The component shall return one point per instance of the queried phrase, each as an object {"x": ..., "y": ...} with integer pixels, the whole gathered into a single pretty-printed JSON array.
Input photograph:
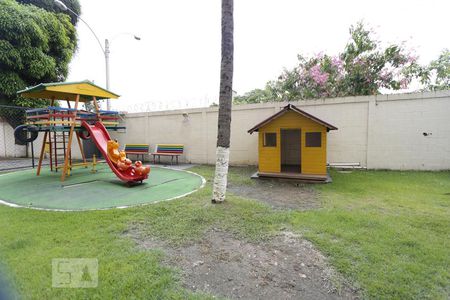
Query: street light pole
[
  {"x": 108, "y": 102},
  {"x": 105, "y": 49},
  {"x": 64, "y": 7}
]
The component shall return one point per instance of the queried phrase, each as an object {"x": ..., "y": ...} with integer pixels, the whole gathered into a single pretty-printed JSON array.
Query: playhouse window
[
  {"x": 313, "y": 139},
  {"x": 270, "y": 139}
]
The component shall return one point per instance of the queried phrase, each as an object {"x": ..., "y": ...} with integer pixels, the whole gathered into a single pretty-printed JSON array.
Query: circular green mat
[{"x": 85, "y": 190}]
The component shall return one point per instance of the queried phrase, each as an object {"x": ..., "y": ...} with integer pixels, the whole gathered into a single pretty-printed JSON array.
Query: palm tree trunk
[{"x": 225, "y": 99}]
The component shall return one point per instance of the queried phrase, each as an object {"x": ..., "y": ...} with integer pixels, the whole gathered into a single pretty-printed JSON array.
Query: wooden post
[
  {"x": 41, "y": 156},
  {"x": 69, "y": 146},
  {"x": 44, "y": 141},
  {"x": 79, "y": 142},
  {"x": 50, "y": 146}
]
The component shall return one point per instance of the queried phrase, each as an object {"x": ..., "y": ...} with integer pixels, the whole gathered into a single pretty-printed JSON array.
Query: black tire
[
  {"x": 84, "y": 135},
  {"x": 33, "y": 128},
  {"x": 21, "y": 136}
]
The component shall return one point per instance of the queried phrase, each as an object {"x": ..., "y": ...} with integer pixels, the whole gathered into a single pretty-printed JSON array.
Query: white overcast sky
[{"x": 177, "y": 61}]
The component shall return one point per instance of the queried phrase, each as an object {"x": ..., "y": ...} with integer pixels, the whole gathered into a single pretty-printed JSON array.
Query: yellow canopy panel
[{"x": 68, "y": 91}]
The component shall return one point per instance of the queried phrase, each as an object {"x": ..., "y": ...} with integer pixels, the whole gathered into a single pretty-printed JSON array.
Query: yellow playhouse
[{"x": 293, "y": 144}]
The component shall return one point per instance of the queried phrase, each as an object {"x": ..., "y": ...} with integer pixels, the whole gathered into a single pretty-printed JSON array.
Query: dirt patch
[
  {"x": 279, "y": 194},
  {"x": 286, "y": 267}
]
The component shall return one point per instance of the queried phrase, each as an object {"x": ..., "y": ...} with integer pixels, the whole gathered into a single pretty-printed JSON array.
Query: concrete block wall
[
  {"x": 8, "y": 148},
  {"x": 412, "y": 134},
  {"x": 379, "y": 132}
]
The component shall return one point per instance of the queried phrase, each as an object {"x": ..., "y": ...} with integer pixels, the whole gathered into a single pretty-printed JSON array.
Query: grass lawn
[{"x": 387, "y": 232}]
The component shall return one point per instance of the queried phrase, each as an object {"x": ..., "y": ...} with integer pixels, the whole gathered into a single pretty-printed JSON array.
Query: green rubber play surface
[{"x": 85, "y": 190}]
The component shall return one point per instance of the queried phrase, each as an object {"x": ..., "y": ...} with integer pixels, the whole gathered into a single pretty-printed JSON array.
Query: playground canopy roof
[{"x": 68, "y": 91}]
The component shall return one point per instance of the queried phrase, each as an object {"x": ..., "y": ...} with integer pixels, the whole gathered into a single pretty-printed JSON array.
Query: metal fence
[{"x": 13, "y": 153}]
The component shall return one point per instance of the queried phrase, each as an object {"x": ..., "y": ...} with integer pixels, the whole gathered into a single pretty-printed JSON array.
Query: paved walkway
[{"x": 18, "y": 163}]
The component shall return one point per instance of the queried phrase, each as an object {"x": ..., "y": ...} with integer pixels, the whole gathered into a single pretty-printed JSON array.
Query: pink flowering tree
[{"x": 363, "y": 68}]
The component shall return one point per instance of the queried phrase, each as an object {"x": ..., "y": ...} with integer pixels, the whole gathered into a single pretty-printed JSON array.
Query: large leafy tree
[
  {"x": 36, "y": 45},
  {"x": 225, "y": 99},
  {"x": 50, "y": 5},
  {"x": 363, "y": 68}
]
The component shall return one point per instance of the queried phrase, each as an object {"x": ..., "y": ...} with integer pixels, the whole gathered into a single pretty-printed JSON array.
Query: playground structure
[{"x": 61, "y": 124}]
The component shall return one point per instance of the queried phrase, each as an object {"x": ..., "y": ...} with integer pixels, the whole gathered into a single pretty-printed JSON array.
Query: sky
[{"x": 176, "y": 64}]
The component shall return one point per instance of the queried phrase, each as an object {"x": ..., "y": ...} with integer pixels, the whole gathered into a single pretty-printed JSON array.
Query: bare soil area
[
  {"x": 285, "y": 267},
  {"x": 278, "y": 193}
]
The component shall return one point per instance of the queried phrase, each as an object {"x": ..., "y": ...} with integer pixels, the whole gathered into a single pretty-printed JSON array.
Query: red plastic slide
[{"x": 100, "y": 136}]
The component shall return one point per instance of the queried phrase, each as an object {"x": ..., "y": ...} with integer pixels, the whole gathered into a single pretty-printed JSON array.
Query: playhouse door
[{"x": 291, "y": 150}]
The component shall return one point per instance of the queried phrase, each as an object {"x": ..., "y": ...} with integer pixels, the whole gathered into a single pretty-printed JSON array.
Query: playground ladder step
[{"x": 59, "y": 141}]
